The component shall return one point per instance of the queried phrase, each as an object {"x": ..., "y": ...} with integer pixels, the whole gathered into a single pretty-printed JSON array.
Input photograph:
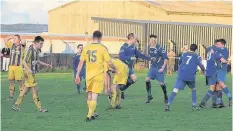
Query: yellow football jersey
[
  {"x": 118, "y": 64},
  {"x": 95, "y": 55}
]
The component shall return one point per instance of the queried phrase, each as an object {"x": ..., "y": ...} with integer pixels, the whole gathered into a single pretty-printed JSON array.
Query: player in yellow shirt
[
  {"x": 120, "y": 78},
  {"x": 30, "y": 63},
  {"x": 95, "y": 55},
  {"x": 15, "y": 73}
]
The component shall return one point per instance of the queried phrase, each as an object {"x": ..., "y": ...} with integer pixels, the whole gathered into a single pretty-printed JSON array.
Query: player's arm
[
  {"x": 8, "y": 39},
  {"x": 165, "y": 57},
  {"x": 44, "y": 64},
  {"x": 140, "y": 55},
  {"x": 218, "y": 56},
  {"x": 122, "y": 55},
  {"x": 200, "y": 64},
  {"x": 107, "y": 59}
]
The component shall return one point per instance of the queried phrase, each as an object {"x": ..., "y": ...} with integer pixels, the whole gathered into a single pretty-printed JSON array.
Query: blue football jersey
[
  {"x": 225, "y": 53},
  {"x": 76, "y": 60},
  {"x": 128, "y": 51},
  {"x": 160, "y": 54},
  {"x": 211, "y": 66},
  {"x": 188, "y": 66}
]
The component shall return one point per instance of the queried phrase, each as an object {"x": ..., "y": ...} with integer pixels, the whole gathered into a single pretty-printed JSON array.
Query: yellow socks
[
  {"x": 36, "y": 100},
  {"x": 12, "y": 89},
  {"x": 20, "y": 98},
  {"x": 21, "y": 86},
  {"x": 92, "y": 107},
  {"x": 113, "y": 98},
  {"x": 118, "y": 98}
]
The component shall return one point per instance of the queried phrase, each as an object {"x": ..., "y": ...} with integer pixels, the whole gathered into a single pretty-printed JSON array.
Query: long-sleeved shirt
[
  {"x": 76, "y": 60},
  {"x": 128, "y": 51}
]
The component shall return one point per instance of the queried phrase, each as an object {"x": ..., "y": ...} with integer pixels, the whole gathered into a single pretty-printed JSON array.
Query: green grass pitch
[{"x": 67, "y": 110}]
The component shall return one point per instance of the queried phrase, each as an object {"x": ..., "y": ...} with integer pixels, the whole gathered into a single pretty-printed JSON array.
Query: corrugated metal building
[
  {"x": 75, "y": 17},
  {"x": 169, "y": 33}
]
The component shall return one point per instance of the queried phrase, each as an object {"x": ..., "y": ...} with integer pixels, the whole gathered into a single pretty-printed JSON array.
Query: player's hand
[
  {"x": 48, "y": 65},
  {"x": 161, "y": 70},
  {"x": 211, "y": 51},
  {"x": 153, "y": 59},
  {"x": 77, "y": 80},
  {"x": 133, "y": 58},
  {"x": 30, "y": 71}
]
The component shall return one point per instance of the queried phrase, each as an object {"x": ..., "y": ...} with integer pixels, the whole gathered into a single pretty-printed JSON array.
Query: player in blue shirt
[
  {"x": 219, "y": 76},
  {"x": 76, "y": 59},
  {"x": 158, "y": 68},
  {"x": 188, "y": 63},
  {"x": 128, "y": 54}
]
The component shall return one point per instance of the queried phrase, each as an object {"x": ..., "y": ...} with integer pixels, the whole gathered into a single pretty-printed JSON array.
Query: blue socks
[
  {"x": 227, "y": 92},
  {"x": 214, "y": 97},
  {"x": 194, "y": 97},
  {"x": 171, "y": 98},
  {"x": 207, "y": 96}
]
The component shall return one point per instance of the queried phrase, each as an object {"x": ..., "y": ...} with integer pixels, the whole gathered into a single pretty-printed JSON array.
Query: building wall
[
  {"x": 67, "y": 45},
  {"x": 75, "y": 18},
  {"x": 168, "y": 33}
]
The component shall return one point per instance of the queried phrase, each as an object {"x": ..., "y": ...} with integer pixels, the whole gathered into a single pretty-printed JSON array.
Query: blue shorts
[
  {"x": 131, "y": 71},
  {"x": 155, "y": 75},
  {"x": 82, "y": 75},
  {"x": 221, "y": 75},
  {"x": 180, "y": 84},
  {"x": 212, "y": 80}
]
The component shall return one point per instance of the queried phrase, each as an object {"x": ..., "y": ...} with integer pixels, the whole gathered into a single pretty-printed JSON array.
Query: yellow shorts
[
  {"x": 30, "y": 79},
  {"x": 121, "y": 77},
  {"x": 15, "y": 73},
  {"x": 96, "y": 84}
]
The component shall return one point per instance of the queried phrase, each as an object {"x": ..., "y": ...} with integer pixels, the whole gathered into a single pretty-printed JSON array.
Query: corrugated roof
[
  {"x": 223, "y": 8},
  {"x": 157, "y": 22}
]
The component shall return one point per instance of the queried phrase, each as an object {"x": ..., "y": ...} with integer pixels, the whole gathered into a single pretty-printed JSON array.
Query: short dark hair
[
  {"x": 97, "y": 34},
  {"x": 193, "y": 47},
  {"x": 222, "y": 41},
  {"x": 130, "y": 35},
  {"x": 153, "y": 36},
  {"x": 38, "y": 39},
  {"x": 216, "y": 40},
  {"x": 79, "y": 45},
  {"x": 17, "y": 35}
]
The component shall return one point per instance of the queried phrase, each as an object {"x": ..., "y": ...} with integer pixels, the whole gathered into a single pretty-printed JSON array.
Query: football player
[
  {"x": 188, "y": 63},
  {"x": 94, "y": 55}
]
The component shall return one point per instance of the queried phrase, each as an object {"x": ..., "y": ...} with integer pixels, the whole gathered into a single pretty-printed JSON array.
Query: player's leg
[
  {"x": 20, "y": 99},
  {"x": 180, "y": 84},
  {"x": 214, "y": 98},
  {"x": 113, "y": 95},
  {"x": 92, "y": 106},
  {"x": 148, "y": 90},
  {"x": 150, "y": 75},
  {"x": 221, "y": 78},
  {"x": 131, "y": 80},
  {"x": 207, "y": 96},
  {"x": 19, "y": 76},
  {"x": 225, "y": 89},
  {"x": 192, "y": 86},
  {"x": 11, "y": 77},
  {"x": 118, "y": 98},
  {"x": 160, "y": 79},
  {"x": 37, "y": 100},
  {"x": 219, "y": 101}
]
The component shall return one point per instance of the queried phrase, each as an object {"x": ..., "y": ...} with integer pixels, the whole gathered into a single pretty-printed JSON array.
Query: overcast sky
[{"x": 28, "y": 11}]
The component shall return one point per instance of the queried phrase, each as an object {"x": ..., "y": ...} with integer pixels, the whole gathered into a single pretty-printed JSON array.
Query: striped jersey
[
  {"x": 16, "y": 55},
  {"x": 31, "y": 58}
]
